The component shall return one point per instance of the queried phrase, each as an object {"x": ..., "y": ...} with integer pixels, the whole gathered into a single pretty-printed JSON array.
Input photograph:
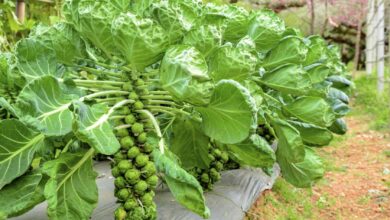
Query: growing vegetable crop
[{"x": 171, "y": 91}]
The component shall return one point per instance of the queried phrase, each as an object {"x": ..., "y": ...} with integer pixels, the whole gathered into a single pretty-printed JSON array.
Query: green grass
[{"x": 368, "y": 101}]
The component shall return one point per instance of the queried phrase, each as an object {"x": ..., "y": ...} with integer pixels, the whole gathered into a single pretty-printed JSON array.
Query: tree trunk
[
  {"x": 312, "y": 15},
  {"x": 357, "y": 46},
  {"x": 326, "y": 18},
  {"x": 20, "y": 10}
]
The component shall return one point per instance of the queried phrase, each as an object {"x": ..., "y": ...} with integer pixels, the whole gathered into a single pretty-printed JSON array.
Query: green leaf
[
  {"x": 23, "y": 194},
  {"x": 317, "y": 72},
  {"x": 290, "y": 143},
  {"x": 177, "y": 16},
  {"x": 289, "y": 50},
  {"x": 93, "y": 20},
  {"x": 231, "y": 114},
  {"x": 184, "y": 187},
  {"x": 339, "y": 82},
  {"x": 314, "y": 110},
  {"x": 35, "y": 59},
  {"x": 140, "y": 40},
  {"x": 313, "y": 135},
  {"x": 339, "y": 127},
  {"x": 254, "y": 152},
  {"x": 45, "y": 102},
  {"x": 71, "y": 192},
  {"x": 266, "y": 29},
  {"x": 6, "y": 105},
  {"x": 183, "y": 73},
  {"x": 338, "y": 94},
  {"x": 305, "y": 173},
  {"x": 316, "y": 51},
  {"x": 92, "y": 126},
  {"x": 205, "y": 38},
  {"x": 340, "y": 109},
  {"x": 230, "y": 62},
  {"x": 18, "y": 144},
  {"x": 290, "y": 79},
  {"x": 190, "y": 144},
  {"x": 237, "y": 23}
]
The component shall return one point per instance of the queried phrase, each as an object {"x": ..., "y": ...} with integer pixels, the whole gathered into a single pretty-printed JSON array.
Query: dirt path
[{"x": 356, "y": 186}]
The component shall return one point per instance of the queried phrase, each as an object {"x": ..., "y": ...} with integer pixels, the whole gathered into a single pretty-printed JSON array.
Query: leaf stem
[{"x": 156, "y": 127}]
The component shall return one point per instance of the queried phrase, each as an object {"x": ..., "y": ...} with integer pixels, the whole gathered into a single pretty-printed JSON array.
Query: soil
[{"x": 357, "y": 184}]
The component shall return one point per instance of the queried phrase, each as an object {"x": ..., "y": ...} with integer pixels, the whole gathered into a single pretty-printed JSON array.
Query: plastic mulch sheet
[{"x": 229, "y": 200}]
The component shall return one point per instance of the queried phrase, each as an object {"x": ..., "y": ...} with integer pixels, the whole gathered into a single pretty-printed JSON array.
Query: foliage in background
[{"x": 367, "y": 99}]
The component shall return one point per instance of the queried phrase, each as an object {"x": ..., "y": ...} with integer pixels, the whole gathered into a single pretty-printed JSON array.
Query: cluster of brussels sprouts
[
  {"x": 208, "y": 177},
  {"x": 266, "y": 132},
  {"x": 133, "y": 167}
]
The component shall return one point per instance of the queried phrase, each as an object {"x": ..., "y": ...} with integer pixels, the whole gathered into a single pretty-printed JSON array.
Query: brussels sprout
[
  {"x": 132, "y": 176},
  {"x": 124, "y": 165},
  {"x": 120, "y": 182},
  {"x": 130, "y": 119},
  {"x": 152, "y": 181},
  {"x": 148, "y": 148},
  {"x": 123, "y": 194},
  {"x": 224, "y": 157},
  {"x": 210, "y": 186},
  {"x": 198, "y": 170},
  {"x": 205, "y": 178},
  {"x": 214, "y": 174},
  {"x": 217, "y": 153},
  {"x": 218, "y": 166},
  {"x": 137, "y": 214},
  {"x": 127, "y": 142},
  {"x": 133, "y": 96},
  {"x": 130, "y": 204},
  {"x": 122, "y": 132},
  {"x": 149, "y": 169},
  {"x": 139, "y": 82},
  {"x": 144, "y": 92},
  {"x": 120, "y": 213},
  {"x": 148, "y": 124},
  {"x": 137, "y": 128},
  {"x": 138, "y": 105},
  {"x": 127, "y": 86},
  {"x": 119, "y": 156},
  {"x": 133, "y": 152},
  {"x": 147, "y": 199},
  {"x": 143, "y": 116},
  {"x": 125, "y": 110},
  {"x": 211, "y": 157},
  {"x": 140, "y": 187},
  {"x": 115, "y": 171},
  {"x": 141, "y": 160},
  {"x": 142, "y": 137}
]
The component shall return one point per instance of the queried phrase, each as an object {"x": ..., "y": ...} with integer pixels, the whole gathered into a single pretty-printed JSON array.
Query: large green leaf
[
  {"x": 141, "y": 41},
  {"x": 71, "y": 192},
  {"x": 339, "y": 127},
  {"x": 290, "y": 143},
  {"x": 289, "y": 50},
  {"x": 184, "y": 187},
  {"x": 289, "y": 79},
  {"x": 317, "y": 72},
  {"x": 305, "y": 173},
  {"x": 266, "y": 29},
  {"x": 18, "y": 144},
  {"x": 205, "y": 38},
  {"x": 93, "y": 20},
  {"x": 36, "y": 59},
  {"x": 310, "y": 109},
  {"x": 316, "y": 51},
  {"x": 237, "y": 23},
  {"x": 338, "y": 94},
  {"x": 190, "y": 144},
  {"x": 177, "y": 16},
  {"x": 183, "y": 73},
  {"x": 92, "y": 126},
  {"x": 230, "y": 62},
  {"x": 231, "y": 114},
  {"x": 254, "y": 152},
  {"x": 45, "y": 102},
  {"x": 340, "y": 109},
  {"x": 312, "y": 134},
  {"x": 22, "y": 195},
  {"x": 339, "y": 82}
]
